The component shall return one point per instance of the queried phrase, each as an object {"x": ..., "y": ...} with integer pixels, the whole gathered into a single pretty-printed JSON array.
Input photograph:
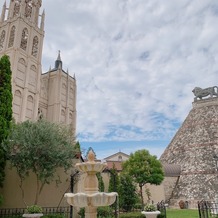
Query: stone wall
[{"x": 193, "y": 148}]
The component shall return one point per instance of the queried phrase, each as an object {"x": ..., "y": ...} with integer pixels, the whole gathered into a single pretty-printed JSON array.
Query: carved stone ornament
[{"x": 200, "y": 93}]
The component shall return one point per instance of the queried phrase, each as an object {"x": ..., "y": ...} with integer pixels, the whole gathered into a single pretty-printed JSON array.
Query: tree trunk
[{"x": 141, "y": 195}]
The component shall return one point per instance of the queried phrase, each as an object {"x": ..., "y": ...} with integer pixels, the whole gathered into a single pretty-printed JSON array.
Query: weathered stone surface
[{"x": 193, "y": 148}]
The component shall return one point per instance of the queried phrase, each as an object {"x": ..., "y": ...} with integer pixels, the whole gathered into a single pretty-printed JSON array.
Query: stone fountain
[{"x": 91, "y": 198}]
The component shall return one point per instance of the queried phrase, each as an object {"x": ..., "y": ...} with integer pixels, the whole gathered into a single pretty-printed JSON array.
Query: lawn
[
  {"x": 171, "y": 213},
  {"x": 178, "y": 213}
]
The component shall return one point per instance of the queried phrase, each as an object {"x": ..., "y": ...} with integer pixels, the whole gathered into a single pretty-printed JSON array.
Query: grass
[
  {"x": 184, "y": 213},
  {"x": 171, "y": 213}
]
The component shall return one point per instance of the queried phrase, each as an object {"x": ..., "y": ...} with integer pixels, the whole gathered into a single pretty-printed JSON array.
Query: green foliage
[
  {"x": 54, "y": 216},
  {"x": 132, "y": 215},
  {"x": 101, "y": 212},
  {"x": 40, "y": 147},
  {"x": 127, "y": 193},
  {"x": 185, "y": 213},
  {"x": 114, "y": 180},
  {"x": 105, "y": 212},
  {"x": 78, "y": 147},
  {"x": 144, "y": 168},
  {"x": 150, "y": 207},
  {"x": 161, "y": 216},
  {"x": 5, "y": 109},
  {"x": 12, "y": 216},
  {"x": 100, "y": 182},
  {"x": 34, "y": 209}
]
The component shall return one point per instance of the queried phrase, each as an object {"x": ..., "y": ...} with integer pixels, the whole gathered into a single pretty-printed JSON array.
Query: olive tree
[
  {"x": 5, "y": 109},
  {"x": 144, "y": 168},
  {"x": 40, "y": 148}
]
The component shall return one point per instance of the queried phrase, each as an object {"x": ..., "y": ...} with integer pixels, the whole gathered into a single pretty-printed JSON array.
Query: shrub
[
  {"x": 55, "y": 216},
  {"x": 150, "y": 207},
  {"x": 12, "y": 216},
  {"x": 101, "y": 212},
  {"x": 132, "y": 215},
  {"x": 105, "y": 212},
  {"x": 161, "y": 216},
  {"x": 34, "y": 209}
]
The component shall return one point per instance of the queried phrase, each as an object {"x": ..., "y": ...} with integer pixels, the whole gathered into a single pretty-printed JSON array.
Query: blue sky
[{"x": 136, "y": 63}]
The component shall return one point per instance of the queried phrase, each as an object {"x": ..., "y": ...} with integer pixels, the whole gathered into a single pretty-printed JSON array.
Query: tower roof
[{"x": 58, "y": 62}]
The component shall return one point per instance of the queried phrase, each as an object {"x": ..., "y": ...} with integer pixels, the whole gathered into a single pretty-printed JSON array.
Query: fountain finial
[{"x": 91, "y": 155}]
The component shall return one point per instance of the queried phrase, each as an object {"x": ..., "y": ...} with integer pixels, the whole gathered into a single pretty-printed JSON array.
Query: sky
[{"x": 136, "y": 63}]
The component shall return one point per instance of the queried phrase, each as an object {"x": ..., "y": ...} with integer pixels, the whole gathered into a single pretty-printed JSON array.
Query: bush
[
  {"x": 161, "y": 216},
  {"x": 132, "y": 215},
  {"x": 12, "y": 216},
  {"x": 54, "y": 216},
  {"x": 101, "y": 212},
  {"x": 34, "y": 209},
  {"x": 105, "y": 212},
  {"x": 137, "y": 207},
  {"x": 150, "y": 207}
]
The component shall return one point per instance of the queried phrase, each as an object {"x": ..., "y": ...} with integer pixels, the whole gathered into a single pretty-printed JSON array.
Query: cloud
[{"x": 136, "y": 62}]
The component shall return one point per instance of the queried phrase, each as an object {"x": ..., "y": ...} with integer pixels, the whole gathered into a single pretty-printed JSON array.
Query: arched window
[
  {"x": 2, "y": 39},
  {"x": 30, "y": 107},
  {"x": 21, "y": 72},
  {"x": 64, "y": 92},
  {"x": 120, "y": 158},
  {"x": 17, "y": 102},
  {"x": 24, "y": 39},
  {"x": 16, "y": 7},
  {"x": 12, "y": 36},
  {"x": 63, "y": 116},
  {"x": 33, "y": 77},
  {"x": 71, "y": 97},
  {"x": 35, "y": 46}
]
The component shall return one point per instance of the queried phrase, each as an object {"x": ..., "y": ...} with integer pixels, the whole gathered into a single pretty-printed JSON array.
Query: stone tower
[
  {"x": 58, "y": 95},
  {"x": 21, "y": 38},
  {"x": 51, "y": 95},
  {"x": 194, "y": 148}
]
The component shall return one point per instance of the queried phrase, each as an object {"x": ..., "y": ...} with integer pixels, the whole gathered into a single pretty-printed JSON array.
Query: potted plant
[
  {"x": 150, "y": 211},
  {"x": 33, "y": 211}
]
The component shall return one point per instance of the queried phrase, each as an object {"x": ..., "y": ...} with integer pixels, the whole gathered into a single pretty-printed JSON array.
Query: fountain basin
[
  {"x": 94, "y": 200},
  {"x": 90, "y": 167}
]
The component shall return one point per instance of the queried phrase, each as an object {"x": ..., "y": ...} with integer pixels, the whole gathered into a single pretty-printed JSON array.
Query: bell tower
[{"x": 21, "y": 38}]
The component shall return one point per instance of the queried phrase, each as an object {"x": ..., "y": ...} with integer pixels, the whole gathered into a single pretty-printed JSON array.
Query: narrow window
[
  {"x": 2, "y": 39},
  {"x": 12, "y": 36},
  {"x": 24, "y": 39},
  {"x": 35, "y": 46}
]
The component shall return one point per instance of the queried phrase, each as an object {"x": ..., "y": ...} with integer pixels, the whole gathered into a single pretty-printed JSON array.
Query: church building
[{"x": 51, "y": 95}]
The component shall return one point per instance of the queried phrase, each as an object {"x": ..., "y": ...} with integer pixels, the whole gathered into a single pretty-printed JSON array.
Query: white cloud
[{"x": 136, "y": 62}]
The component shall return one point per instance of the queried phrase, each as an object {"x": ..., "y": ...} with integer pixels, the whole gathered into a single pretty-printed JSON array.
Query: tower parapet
[{"x": 27, "y": 9}]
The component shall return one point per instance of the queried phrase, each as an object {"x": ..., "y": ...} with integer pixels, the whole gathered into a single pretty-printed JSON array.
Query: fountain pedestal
[{"x": 91, "y": 198}]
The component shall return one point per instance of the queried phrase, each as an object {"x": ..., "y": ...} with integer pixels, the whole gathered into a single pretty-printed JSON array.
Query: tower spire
[
  {"x": 42, "y": 20},
  {"x": 3, "y": 12},
  {"x": 58, "y": 62}
]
